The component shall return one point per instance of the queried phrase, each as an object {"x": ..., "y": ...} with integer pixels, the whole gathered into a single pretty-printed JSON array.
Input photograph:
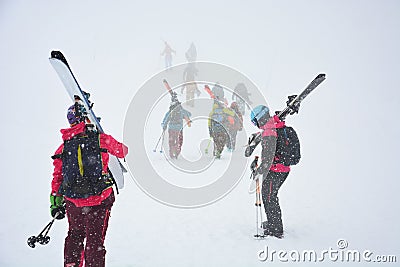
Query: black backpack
[
  {"x": 82, "y": 167},
  {"x": 287, "y": 146}
]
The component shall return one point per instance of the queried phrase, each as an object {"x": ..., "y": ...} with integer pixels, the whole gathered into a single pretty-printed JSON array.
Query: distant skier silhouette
[
  {"x": 191, "y": 53},
  {"x": 189, "y": 78},
  {"x": 167, "y": 53}
]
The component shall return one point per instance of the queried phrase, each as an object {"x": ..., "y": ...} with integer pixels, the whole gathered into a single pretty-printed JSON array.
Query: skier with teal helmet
[{"x": 273, "y": 171}]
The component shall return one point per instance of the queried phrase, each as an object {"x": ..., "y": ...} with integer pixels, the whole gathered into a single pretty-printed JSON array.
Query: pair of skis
[
  {"x": 293, "y": 104},
  {"x": 292, "y": 107}
]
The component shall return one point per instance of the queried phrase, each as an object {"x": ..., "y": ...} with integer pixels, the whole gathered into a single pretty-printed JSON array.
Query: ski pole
[
  {"x": 208, "y": 145},
  {"x": 162, "y": 142},
  {"x": 257, "y": 234},
  {"x": 40, "y": 238},
  {"x": 159, "y": 139},
  {"x": 155, "y": 148},
  {"x": 258, "y": 208},
  {"x": 253, "y": 167}
]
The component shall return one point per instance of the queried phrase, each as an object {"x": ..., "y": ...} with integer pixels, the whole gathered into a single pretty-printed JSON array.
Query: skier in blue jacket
[{"x": 173, "y": 119}]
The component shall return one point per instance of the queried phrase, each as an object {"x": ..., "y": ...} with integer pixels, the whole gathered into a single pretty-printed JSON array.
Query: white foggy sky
[
  {"x": 350, "y": 122},
  {"x": 114, "y": 47}
]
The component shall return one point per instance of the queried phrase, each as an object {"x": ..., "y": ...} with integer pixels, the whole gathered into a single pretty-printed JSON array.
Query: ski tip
[
  {"x": 58, "y": 55},
  {"x": 321, "y": 75}
]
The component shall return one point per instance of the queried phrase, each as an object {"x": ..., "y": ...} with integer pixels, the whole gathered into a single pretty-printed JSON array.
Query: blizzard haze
[{"x": 345, "y": 186}]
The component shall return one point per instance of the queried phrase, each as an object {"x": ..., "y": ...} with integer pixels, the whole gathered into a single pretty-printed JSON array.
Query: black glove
[
  {"x": 260, "y": 170},
  {"x": 57, "y": 207},
  {"x": 257, "y": 173},
  {"x": 252, "y": 143},
  {"x": 254, "y": 139},
  {"x": 60, "y": 212}
]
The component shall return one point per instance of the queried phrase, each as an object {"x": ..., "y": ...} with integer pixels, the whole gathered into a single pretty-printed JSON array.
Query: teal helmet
[{"x": 259, "y": 115}]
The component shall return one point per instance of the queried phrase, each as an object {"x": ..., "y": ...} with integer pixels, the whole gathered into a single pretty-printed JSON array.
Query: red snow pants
[
  {"x": 87, "y": 224},
  {"x": 175, "y": 141}
]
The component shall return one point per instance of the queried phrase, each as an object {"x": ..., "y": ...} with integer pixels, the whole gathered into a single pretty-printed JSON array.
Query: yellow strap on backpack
[{"x": 80, "y": 163}]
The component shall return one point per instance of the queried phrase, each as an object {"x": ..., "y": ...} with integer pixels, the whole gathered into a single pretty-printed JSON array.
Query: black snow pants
[{"x": 270, "y": 187}]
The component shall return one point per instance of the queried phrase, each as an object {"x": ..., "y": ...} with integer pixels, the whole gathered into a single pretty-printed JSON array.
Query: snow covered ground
[{"x": 345, "y": 187}]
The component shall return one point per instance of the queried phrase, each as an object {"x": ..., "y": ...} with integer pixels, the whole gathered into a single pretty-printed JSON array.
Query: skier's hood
[
  {"x": 73, "y": 131},
  {"x": 272, "y": 123}
]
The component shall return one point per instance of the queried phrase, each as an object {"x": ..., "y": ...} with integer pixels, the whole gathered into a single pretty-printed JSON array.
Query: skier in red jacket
[{"x": 82, "y": 187}]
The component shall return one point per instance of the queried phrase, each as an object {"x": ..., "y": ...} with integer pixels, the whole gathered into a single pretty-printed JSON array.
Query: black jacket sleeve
[{"x": 267, "y": 154}]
